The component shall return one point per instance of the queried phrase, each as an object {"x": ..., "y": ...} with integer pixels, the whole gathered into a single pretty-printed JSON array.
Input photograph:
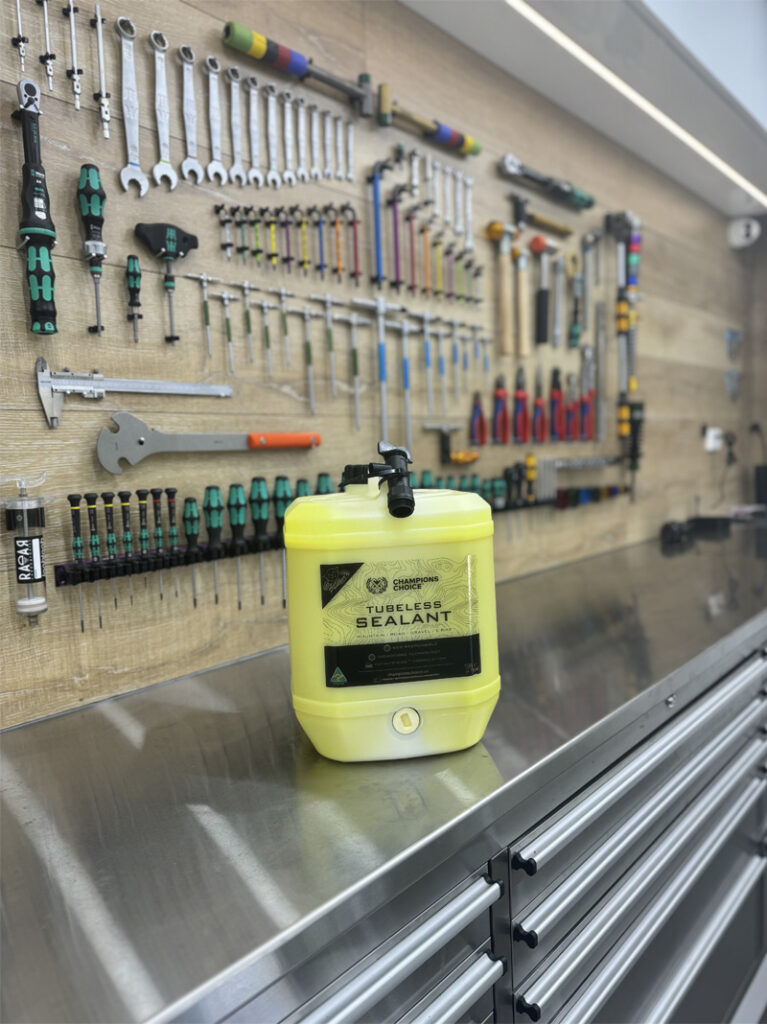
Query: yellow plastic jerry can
[{"x": 393, "y": 635}]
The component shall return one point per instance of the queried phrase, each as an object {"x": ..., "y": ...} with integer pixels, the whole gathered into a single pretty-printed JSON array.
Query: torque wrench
[
  {"x": 73, "y": 73},
  {"x": 102, "y": 96},
  {"x": 301, "y": 172},
  {"x": 288, "y": 175},
  {"x": 132, "y": 172},
  {"x": 19, "y": 40},
  {"x": 162, "y": 170},
  {"x": 47, "y": 58},
  {"x": 340, "y": 149},
  {"x": 328, "y": 129},
  {"x": 255, "y": 174},
  {"x": 52, "y": 385},
  {"x": 315, "y": 173},
  {"x": 191, "y": 167},
  {"x": 272, "y": 176},
  {"x": 236, "y": 171},
  {"x": 134, "y": 441},
  {"x": 215, "y": 169},
  {"x": 349, "y": 151}
]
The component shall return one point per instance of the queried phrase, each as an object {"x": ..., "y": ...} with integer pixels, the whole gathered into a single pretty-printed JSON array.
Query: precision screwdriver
[
  {"x": 91, "y": 200},
  {"x": 127, "y": 536},
  {"x": 192, "y": 532},
  {"x": 213, "y": 508},
  {"x": 237, "y": 514},
  {"x": 259, "y": 513},
  {"x": 95, "y": 546},
  {"x": 109, "y": 517},
  {"x": 170, "y": 494},
  {"x": 282, "y": 497},
  {"x": 133, "y": 280},
  {"x": 143, "y": 530},
  {"x": 157, "y": 535},
  {"x": 77, "y": 546}
]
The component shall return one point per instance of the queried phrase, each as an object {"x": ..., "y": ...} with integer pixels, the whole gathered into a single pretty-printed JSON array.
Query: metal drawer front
[
  {"x": 544, "y": 996},
  {"x": 368, "y": 987},
  {"x": 459, "y": 997},
  {"x": 535, "y": 927},
  {"x": 532, "y": 855}
]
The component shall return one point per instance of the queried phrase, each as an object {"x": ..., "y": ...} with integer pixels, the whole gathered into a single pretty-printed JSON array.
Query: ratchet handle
[{"x": 312, "y": 440}]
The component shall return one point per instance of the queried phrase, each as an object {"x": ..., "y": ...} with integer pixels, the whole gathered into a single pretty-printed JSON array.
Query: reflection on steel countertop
[{"x": 151, "y": 841}]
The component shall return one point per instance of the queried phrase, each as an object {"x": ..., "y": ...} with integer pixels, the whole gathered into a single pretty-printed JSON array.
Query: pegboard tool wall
[{"x": 693, "y": 289}]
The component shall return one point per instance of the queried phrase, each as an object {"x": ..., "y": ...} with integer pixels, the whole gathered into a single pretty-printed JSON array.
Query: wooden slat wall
[{"x": 694, "y": 288}]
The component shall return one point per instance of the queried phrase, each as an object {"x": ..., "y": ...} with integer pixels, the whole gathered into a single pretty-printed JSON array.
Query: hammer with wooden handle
[{"x": 503, "y": 234}]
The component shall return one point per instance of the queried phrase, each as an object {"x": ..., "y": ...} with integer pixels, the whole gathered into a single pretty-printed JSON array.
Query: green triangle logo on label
[{"x": 338, "y": 678}]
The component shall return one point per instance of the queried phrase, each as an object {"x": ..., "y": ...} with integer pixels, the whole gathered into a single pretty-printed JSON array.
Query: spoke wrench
[{"x": 132, "y": 172}]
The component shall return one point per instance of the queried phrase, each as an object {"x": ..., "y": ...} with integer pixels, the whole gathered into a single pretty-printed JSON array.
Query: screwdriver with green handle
[
  {"x": 259, "y": 513},
  {"x": 77, "y": 546},
  {"x": 109, "y": 518},
  {"x": 282, "y": 497},
  {"x": 192, "y": 532},
  {"x": 157, "y": 533},
  {"x": 213, "y": 510},
  {"x": 143, "y": 530},
  {"x": 238, "y": 509},
  {"x": 127, "y": 536},
  {"x": 324, "y": 484},
  {"x": 94, "y": 544},
  {"x": 133, "y": 280},
  {"x": 170, "y": 494},
  {"x": 91, "y": 200}
]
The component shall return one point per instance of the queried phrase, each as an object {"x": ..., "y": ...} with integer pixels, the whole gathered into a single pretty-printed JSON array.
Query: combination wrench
[
  {"x": 191, "y": 167},
  {"x": 272, "y": 175},
  {"x": 215, "y": 169},
  {"x": 328, "y": 125},
  {"x": 458, "y": 211},
  {"x": 236, "y": 171},
  {"x": 340, "y": 149},
  {"x": 301, "y": 172},
  {"x": 448, "y": 181},
  {"x": 132, "y": 172},
  {"x": 288, "y": 175},
  {"x": 315, "y": 173},
  {"x": 255, "y": 175},
  {"x": 163, "y": 170}
]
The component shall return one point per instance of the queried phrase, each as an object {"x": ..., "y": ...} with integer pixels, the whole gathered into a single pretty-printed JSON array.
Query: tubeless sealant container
[{"x": 391, "y": 611}]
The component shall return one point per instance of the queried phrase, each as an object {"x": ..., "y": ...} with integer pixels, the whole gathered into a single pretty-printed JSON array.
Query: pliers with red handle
[
  {"x": 501, "y": 425},
  {"x": 540, "y": 426},
  {"x": 478, "y": 423}
]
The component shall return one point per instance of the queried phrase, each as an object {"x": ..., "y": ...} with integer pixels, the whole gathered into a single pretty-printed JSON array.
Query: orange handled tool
[{"x": 284, "y": 440}]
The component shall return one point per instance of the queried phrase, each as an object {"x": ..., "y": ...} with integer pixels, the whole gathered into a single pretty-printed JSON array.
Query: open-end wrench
[
  {"x": 340, "y": 149},
  {"x": 191, "y": 167},
  {"x": 236, "y": 171},
  {"x": 215, "y": 169},
  {"x": 314, "y": 171},
  {"x": 349, "y": 151},
  {"x": 288, "y": 175},
  {"x": 328, "y": 132},
  {"x": 272, "y": 175},
  {"x": 301, "y": 172},
  {"x": 255, "y": 175},
  {"x": 163, "y": 170},
  {"x": 132, "y": 172}
]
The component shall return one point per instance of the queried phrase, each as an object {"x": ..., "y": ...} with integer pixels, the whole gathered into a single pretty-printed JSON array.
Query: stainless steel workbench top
[{"x": 151, "y": 842}]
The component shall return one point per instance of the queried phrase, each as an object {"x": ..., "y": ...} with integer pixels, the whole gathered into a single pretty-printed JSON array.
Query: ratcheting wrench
[
  {"x": 288, "y": 175},
  {"x": 215, "y": 168},
  {"x": 349, "y": 151},
  {"x": 340, "y": 149},
  {"x": 315, "y": 171},
  {"x": 255, "y": 175},
  {"x": 191, "y": 167},
  {"x": 236, "y": 171},
  {"x": 328, "y": 125},
  {"x": 458, "y": 219},
  {"x": 272, "y": 175},
  {"x": 132, "y": 172},
  {"x": 301, "y": 172},
  {"x": 163, "y": 169}
]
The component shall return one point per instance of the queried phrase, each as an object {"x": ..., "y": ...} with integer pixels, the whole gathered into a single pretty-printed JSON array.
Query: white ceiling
[{"x": 633, "y": 43}]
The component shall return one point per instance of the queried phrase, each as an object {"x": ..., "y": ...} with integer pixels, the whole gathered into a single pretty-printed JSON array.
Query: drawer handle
[
  {"x": 397, "y": 963},
  {"x": 449, "y": 1006},
  {"x": 538, "y": 998},
  {"x": 533, "y": 855},
  {"x": 534, "y": 927}
]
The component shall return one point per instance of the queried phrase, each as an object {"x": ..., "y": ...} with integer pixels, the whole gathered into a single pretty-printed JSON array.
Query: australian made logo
[
  {"x": 338, "y": 678},
  {"x": 377, "y": 584}
]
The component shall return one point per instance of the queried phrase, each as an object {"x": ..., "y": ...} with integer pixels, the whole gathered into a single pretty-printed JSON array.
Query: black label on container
[
  {"x": 334, "y": 577},
  {"x": 404, "y": 661},
  {"x": 29, "y": 560}
]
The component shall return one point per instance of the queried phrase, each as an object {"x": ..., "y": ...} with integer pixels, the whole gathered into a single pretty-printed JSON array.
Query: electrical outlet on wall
[{"x": 713, "y": 439}]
